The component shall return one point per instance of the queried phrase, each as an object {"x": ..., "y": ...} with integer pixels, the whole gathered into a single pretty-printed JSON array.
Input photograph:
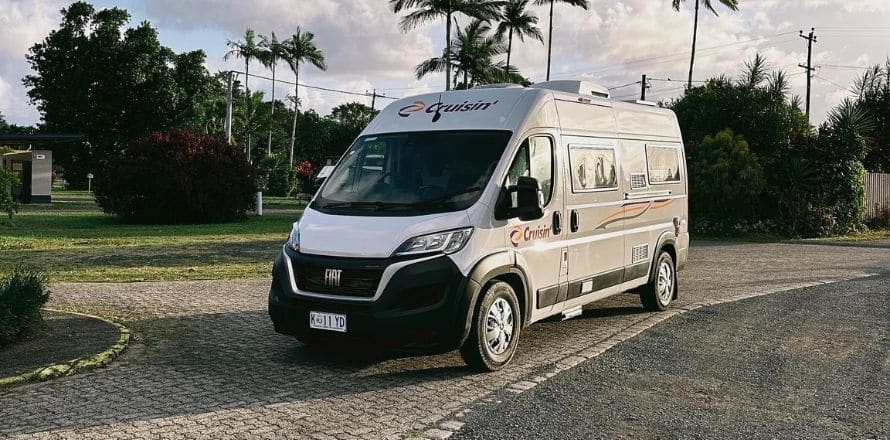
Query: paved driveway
[{"x": 209, "y": 365}]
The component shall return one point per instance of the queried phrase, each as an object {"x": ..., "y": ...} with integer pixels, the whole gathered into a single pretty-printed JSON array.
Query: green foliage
[
  {"x": 472, "y": 57},
  {"x": 8, "y": 181},
  {"x": 755, "y": 107},
  {"x": 275, "y": 177},
  {"x": 22, "y": 294},
  {"x": 113, "y": 83},
  {"x": 813, "y": 179},
  {"x": 873, "y": 98},
  {"x": 728, "y": 180}
]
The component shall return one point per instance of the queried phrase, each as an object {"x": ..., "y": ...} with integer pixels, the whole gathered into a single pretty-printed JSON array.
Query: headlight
[
  {"x": 446, "y": 242},
  {"x": 294, "y": 240}
]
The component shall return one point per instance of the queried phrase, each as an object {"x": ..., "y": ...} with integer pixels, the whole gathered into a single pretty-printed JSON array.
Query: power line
[
  {"x": 670, "y": 57},
  {"x": 832, "y": 82},
  {"x": 623, "y": 86},
  {"x": 327, "y": 89}
]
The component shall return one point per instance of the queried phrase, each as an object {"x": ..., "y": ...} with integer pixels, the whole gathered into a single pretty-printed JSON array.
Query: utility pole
[
  {"x": 229, "y": 107},
  {"x": 811, "y": 38},
  {"x": 643, "y": 86},
  {"x": 374, "y": 96}
]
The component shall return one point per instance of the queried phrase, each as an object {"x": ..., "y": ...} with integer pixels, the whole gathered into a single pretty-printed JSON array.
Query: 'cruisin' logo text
[{"x": 438, "y": 108}]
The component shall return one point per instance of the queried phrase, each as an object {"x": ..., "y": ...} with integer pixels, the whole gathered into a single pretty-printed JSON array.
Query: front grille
[{"x": 361, "y": 282}]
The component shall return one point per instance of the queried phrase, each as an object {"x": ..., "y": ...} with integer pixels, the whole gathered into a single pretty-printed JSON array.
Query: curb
[
  {"x": 452, "y": 424},
  {"x": 76, "y": 365}
]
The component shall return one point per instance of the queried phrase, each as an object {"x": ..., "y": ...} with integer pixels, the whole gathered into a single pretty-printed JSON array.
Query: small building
[
  {"x": 35, "y": 171},
  {"x": 32, "y": 162}
]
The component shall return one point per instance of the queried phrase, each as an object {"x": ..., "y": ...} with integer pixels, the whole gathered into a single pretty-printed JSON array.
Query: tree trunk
[
  {"x": 448, "y": 50},
  {"x": 272, "y": 114},
  {"x": 550, "y": 41},
  {"x": 694, "y": 35},
  {"x": 293, "y": 130},
  {"x": 509, "y": 46}
]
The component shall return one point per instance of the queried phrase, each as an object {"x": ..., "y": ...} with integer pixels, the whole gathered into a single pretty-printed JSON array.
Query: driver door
[{"x": 539, "y": 243}]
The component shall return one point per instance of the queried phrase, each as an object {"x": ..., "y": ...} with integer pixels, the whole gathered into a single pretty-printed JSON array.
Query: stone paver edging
[
  {"x": 82, "y": 363},
  {"x": 448, "y": 427}
]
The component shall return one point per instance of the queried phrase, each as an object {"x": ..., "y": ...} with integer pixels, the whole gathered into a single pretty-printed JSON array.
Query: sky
[{"x": 613, "y": 43}]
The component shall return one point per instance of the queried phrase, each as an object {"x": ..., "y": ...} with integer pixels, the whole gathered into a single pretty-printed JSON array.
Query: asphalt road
[{"x": 808, "y": 363}]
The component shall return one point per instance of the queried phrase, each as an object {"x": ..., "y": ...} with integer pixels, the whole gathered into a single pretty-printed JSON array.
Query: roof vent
[
  {"x": 499, "y": 86},
  {"x": 574, "y": 86}
]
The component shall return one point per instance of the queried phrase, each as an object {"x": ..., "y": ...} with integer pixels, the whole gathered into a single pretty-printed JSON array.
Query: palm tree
[
  {"x": 583, "y": 4},
  {"x": 709, "y": 5},
  {"x": 247, "y": 50},
  {"x": 476, "y": 49},
  {"x": 298, "y": 49},
  {"x": 272, "y": 52},
  {"x": 427, "y": 10},
  {"x": 517, "y": 19}
]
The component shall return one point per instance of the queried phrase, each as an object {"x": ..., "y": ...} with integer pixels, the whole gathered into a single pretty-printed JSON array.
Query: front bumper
[{"x": 423, "y": 306}]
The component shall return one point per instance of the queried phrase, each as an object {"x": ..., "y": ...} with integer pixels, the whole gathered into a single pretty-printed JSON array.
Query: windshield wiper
[
  {"x": 380, "y": 206},
  {"x": 445, "y": 197}
]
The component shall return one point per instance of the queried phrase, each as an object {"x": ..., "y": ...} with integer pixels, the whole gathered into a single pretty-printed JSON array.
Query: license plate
[{"x": 327, "y": 321}]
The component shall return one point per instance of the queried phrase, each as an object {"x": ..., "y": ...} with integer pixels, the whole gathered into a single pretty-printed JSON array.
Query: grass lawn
[{"x": 74, "y": 241}]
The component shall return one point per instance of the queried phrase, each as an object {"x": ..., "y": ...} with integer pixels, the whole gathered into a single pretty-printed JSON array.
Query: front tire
[
  {"x": 657, "y": 295},
  {"x": 494, "y": 334}
]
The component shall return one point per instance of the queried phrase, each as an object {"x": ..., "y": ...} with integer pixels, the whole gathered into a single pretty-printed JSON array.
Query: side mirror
[{"x": 528, "y": 199}]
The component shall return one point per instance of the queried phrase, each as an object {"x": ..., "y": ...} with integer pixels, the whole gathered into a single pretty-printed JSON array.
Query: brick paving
[{"x": 208, "y": 365}]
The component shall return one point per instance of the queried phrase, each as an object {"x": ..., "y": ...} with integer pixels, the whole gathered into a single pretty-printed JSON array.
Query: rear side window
[
  {"x": 663, "y": 163},
  {"x": 593, "y": 167},
  {"x": 534, "y": 159}
]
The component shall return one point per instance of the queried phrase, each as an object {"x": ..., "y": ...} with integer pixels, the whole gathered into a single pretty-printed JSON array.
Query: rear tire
[
  {"x": 662, "y": 287},
  {"x": 494, "y": 334}
]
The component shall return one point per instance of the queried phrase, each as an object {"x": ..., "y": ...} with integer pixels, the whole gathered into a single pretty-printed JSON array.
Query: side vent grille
[
  {"x": 639, "y": 253},
  {"x": 638, "y": 181}
]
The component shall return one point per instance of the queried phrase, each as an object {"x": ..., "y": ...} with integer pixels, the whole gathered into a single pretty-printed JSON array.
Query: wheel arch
[{"x": 498, "y": 266}]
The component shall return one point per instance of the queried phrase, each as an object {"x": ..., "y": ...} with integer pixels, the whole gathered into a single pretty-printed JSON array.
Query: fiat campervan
[{"x": 457, "y": 219}]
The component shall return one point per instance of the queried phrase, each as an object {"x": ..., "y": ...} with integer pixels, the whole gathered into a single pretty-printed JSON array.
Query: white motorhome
[{"x": 457, "y": 219}]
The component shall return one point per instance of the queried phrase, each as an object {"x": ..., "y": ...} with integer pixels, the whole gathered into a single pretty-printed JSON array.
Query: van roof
[{"x": 496, "y": 108}]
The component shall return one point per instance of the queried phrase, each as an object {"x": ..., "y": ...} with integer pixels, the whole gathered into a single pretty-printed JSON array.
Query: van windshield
[{"x": 403, "y": 174}]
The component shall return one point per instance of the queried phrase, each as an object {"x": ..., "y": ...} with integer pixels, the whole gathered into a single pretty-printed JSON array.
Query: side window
[
  {"x": 663, "y": 163},
  {"x": 534, "y": 159},
  {"x": 593, "y": 167}
]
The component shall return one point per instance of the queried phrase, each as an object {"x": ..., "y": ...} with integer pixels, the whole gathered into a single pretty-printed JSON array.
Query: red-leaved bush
[{"x": 178, "y": 177}]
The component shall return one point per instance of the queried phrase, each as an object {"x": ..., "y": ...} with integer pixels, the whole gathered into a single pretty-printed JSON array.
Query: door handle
[
  {"x": 557, "y": 223},
  {"x": 574, "y": 221}
]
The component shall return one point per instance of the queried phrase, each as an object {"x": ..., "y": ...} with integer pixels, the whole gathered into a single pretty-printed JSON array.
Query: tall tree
[
  {"x": 248, "y": 50},
  {"x": 113, "y": 83},
  {"x": 423, "y": 11},
  {"x": 709, "y": 5},
  {"x": 3, "y": 125},
  {"x": 583, "y": 4},
  {"x": 516, "y": 18},
  {"x": 298, "y": 49},
  {"x": 873, "y": 97},
  {"x": 271, "y": 52},
  {"x": 353, "y": 115},
  {"x": 474, "y": 57}
]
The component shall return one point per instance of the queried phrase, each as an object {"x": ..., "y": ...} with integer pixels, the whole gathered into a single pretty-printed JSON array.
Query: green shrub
[
  {"x": 275, "y": 177},
  {"x": 8, "y": 180},
  {"x": 22, "y": 294},
  {"x": 726, "y": 181}
]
